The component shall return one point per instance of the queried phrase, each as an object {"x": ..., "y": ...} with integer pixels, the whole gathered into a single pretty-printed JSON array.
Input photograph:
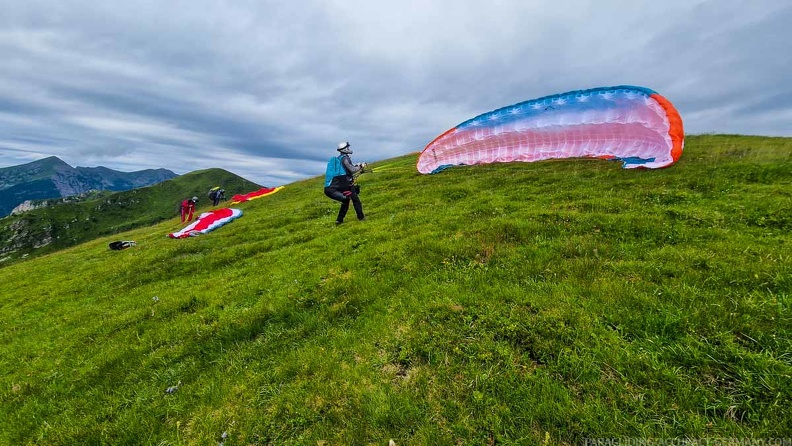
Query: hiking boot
[{"x": 338, "y": 222}]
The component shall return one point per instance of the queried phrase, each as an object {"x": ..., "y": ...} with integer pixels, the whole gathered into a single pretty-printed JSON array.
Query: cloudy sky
[{"x": 266, "y": 89}]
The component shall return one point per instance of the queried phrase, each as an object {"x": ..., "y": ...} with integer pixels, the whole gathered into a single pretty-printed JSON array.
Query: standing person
[
  {"x": 216, "y": 195},
  {"x": 339, "y": 178},
  {"x": 188, "y": 209}
]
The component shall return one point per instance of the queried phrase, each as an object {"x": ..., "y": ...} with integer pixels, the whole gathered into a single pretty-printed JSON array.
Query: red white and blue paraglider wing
[
  {"x": 632, "y": 124},
  {"x": 208, "y": 221}
]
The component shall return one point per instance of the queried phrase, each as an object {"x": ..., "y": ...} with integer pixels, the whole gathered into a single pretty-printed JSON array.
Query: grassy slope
[
  {"x": 73, "y": 223},
  {"x": 504, "y": 303}
]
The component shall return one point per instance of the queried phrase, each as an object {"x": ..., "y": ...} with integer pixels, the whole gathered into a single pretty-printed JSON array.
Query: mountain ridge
[{"x": 51, "y": 177}]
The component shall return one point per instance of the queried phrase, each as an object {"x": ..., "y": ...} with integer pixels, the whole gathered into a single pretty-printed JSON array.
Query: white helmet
[
  {"x": 344, "y": 147},
  {"x": 194, "y": 198}
]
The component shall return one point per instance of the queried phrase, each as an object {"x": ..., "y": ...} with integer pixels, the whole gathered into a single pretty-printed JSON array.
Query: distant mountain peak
[
  {"x": 50, "y": 161},
  {"x": 51, "y": 177}
]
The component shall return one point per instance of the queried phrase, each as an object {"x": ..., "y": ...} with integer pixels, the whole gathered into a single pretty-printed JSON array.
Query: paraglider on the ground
[
  {"x": 263, "y": 192},
  {"x": 634, "y": 125},
  {"x": 208, "y": 221}
]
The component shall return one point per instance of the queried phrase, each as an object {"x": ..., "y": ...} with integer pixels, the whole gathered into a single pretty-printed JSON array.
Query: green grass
[{"x": 500, "y": 304}]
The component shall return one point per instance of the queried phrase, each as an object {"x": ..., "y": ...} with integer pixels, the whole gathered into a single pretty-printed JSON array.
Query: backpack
[
  {"x": 334, "y": 169},
  {"x": 121, "y": 244}
]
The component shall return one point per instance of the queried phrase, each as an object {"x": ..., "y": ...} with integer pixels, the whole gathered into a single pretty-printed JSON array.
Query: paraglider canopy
[
  {"x": 635, "y": 125},
  {"x": 207, "y": 222},
  {"x": 263, "y": 192}
]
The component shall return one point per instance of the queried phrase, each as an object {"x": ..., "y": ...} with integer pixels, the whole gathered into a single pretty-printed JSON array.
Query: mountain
[
  {"x": 52, "y": 178},
  {"x": 64, "y": 222}
]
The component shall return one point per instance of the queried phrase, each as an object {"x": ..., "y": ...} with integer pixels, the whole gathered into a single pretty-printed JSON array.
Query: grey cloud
[{"x": 266, "y": 89}]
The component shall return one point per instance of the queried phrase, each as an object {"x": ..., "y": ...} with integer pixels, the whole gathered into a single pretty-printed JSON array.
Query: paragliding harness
[
  {"x": 121, "y": 244},
  {"x": 335, "y": 169}
]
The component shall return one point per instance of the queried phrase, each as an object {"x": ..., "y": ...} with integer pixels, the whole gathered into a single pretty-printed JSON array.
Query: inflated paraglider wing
[
  {"x": 263, "y": 192},
  {"x": 632, "y": 124},
  {"x": 208, "y": 221}
]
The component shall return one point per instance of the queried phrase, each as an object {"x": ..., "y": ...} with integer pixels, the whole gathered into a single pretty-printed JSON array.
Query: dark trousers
[{"x": 338, "y": 195}]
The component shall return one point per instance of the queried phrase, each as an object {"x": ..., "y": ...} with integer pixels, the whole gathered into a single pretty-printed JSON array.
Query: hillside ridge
[
  {"x": 522, "y": 303},
  {"x": 52, "y": 178},
  {"x": 60, "y": 223}
]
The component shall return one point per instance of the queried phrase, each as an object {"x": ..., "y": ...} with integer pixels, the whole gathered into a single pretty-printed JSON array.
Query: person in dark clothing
[
  {"x": 217, "y": 195},
  {"x": 339, "y": 182},
  {"x": 188, "y": 209}
]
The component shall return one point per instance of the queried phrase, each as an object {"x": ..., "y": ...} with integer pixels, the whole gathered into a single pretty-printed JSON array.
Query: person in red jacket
[{"x": 188, "y": 209}]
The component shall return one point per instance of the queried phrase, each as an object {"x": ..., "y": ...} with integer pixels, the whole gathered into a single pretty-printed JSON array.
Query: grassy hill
[
  {"x": 48, "y": 229},
  {"x": 540, "y": 303}
]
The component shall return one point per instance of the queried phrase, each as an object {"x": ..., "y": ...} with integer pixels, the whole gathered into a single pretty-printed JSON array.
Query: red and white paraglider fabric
[
  {"x": 208, "y": 221},
  {"x": 263, "y": 192}
]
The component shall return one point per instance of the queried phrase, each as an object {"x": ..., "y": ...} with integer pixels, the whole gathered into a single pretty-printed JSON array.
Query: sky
[{"x": 267, "y": 89}]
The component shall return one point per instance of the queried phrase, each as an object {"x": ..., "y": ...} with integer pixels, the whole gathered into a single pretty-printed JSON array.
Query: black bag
[{"x": 121, "y": 244}]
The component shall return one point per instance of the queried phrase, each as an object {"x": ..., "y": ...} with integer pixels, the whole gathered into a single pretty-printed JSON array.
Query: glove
[{"x": 363, "y": 165}]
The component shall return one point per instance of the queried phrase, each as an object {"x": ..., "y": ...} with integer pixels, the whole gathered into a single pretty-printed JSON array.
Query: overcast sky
[{"x": 267, "y": 89}]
